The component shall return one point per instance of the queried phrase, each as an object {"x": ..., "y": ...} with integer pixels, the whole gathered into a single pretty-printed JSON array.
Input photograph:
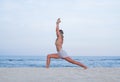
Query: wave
[{"x": 21, "y": 61}]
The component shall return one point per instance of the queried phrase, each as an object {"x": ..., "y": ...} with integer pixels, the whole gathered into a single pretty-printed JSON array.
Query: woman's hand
[{"x": 58, "y": 21}]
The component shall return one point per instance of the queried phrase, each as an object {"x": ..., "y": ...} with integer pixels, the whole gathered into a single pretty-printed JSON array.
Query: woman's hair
[{"x": 61, "y": 31}]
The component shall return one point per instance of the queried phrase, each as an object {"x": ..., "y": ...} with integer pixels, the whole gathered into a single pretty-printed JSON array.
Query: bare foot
[
  {"x": 85, "y": 67},
  {"x": 47, "y": 67}
]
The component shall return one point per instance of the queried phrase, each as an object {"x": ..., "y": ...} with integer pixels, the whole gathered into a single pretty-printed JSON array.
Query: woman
[{"x": 60, "y": 52}]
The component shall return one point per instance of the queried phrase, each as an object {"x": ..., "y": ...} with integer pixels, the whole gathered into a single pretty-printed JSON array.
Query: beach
[{"x": 60, "y": 74}]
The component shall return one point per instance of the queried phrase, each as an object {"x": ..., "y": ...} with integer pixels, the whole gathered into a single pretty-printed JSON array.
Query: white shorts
[{"x": 62, "y": 54}]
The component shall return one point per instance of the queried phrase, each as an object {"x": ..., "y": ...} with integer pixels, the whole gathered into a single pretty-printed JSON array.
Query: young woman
[{"x": 60, "y": 52}]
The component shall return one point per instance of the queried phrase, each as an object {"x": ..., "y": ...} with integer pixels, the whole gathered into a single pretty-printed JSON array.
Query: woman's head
[{"x": 61, "y": 32}]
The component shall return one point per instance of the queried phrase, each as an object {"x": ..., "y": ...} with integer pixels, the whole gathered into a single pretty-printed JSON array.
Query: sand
[{"x": 64, "y": 74}]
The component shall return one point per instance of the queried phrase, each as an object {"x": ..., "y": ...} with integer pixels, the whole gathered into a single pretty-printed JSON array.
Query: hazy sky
[{"x": 91, "y": 27}]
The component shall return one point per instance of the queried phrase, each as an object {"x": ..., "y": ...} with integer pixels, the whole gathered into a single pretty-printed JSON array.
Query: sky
[{"x": 91, "y": 27}]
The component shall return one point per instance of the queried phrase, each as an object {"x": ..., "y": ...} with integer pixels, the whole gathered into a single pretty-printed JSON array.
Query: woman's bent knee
[{"x": 48, "y": 56}]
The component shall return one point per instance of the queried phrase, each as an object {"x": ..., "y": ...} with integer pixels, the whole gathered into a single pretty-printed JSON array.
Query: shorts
[{"x": 62, "y": 54}]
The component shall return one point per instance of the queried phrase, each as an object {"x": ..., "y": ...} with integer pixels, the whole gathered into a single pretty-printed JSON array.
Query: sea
[{"x": 40, "y": 61}]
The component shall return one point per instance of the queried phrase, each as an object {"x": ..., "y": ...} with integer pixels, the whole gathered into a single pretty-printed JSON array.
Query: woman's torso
[{"x": 58, "y": 43}]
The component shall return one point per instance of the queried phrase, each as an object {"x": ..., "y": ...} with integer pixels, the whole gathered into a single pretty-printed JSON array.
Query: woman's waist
[{"x": 59, "y": 48}]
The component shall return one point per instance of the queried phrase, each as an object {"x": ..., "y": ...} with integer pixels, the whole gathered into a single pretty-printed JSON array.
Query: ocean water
[{"x": 40, "y": 61}]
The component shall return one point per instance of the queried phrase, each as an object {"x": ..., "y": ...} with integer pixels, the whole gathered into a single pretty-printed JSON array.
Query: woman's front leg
[{"x": 49, "y": 56}]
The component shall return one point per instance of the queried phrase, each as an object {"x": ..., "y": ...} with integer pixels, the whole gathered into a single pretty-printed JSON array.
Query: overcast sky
[{"x": 91, "y": 27}]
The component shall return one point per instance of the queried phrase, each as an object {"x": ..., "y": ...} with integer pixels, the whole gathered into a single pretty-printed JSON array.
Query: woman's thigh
[{"x": 55, "y": 55}]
